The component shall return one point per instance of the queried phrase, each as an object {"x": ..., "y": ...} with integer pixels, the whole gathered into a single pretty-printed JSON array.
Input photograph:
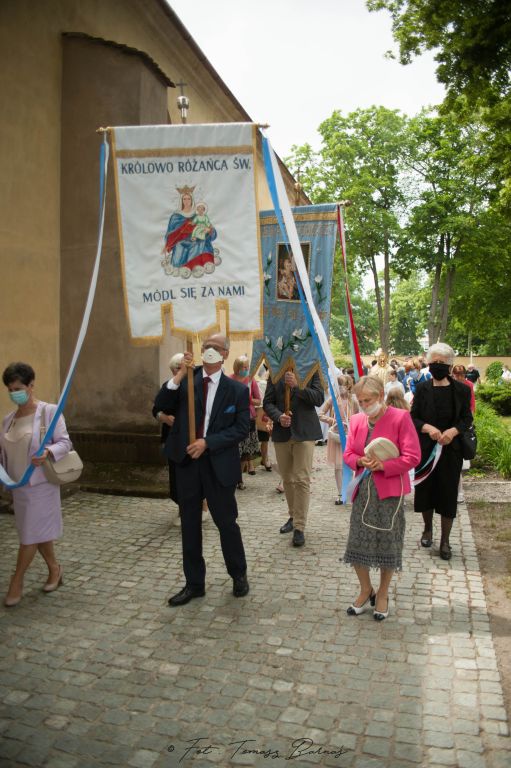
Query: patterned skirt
[
  {"x": 368, "y": 546},
  {"x": 249, "y": 448}
]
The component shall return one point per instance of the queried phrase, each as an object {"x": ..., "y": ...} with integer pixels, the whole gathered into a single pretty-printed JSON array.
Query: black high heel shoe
[{"x": 356, "y": 610}]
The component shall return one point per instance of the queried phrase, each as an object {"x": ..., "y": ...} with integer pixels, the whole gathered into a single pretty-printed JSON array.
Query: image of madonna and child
[{"x": 190, "y": 234}]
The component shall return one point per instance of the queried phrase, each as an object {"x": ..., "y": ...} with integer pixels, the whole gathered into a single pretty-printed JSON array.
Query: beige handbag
[
  {"x": 382, "y": 449},
  {"x": 65, "y": 470}
]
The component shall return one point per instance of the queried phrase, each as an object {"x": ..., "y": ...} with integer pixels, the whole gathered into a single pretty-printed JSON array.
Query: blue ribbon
[
  {"x": 428, "y": 461},
  {"x": 4, "y": 477},
  {"x": 347, "y": 473}
]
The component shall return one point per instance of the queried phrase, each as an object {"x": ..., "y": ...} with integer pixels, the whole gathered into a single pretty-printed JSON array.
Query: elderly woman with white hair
[{"x": 440, "y": 411}]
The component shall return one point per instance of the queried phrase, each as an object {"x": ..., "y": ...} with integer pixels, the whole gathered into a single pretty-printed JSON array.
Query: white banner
[{"x": 188, "y": 228}]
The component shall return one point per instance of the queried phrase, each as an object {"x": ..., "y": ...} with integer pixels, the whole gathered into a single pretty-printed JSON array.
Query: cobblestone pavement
[{"x": 102, "y": 672}]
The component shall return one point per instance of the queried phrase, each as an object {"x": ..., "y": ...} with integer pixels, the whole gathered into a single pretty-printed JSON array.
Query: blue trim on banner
[
  {"x": 276, "y": 204},
  {"x": 4, "y": 477}
]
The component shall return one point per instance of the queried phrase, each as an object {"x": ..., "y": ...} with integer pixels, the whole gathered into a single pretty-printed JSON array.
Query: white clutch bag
[{"x": 382, "y": 448}]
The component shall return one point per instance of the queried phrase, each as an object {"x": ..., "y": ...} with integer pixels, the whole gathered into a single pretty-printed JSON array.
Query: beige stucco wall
[{"x": 30, "y": 146}]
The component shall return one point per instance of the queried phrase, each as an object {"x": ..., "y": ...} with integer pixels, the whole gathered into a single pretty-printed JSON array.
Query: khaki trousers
[{"x": 295, "y": 467}]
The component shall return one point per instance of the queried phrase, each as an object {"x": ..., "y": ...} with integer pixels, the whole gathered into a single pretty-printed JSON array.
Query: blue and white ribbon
[
  {"x": 433, "y": 459},
  {"x": 103, "y": 164}
]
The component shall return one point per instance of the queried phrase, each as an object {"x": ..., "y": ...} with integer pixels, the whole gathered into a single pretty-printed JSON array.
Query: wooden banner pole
[
  {"x": 191, "y": 397},
  {"x": 287, "y": 393}
]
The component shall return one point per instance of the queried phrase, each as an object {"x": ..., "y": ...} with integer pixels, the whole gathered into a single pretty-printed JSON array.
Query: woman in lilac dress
[{"x": 37, "y": 511}]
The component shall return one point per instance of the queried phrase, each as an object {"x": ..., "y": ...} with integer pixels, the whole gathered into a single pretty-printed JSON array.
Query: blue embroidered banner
[{"x": 287, "y": 342}]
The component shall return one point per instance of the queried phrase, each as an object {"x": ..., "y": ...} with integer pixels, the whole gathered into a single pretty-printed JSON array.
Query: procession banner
[
  {"x": 287, "y": 340},
  {"x": 188, "y": 229}
]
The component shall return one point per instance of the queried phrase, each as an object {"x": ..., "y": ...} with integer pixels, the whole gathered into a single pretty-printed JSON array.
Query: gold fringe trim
[
  {"x": 289, "y": 365},
  {"x": 328, "y": 216}
]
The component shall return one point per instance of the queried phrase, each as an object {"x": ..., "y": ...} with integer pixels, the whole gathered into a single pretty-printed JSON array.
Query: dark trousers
[{"x": 196, "y": 481}]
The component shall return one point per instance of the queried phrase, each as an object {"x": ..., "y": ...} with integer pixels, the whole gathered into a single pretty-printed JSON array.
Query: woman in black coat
[{"x": 440, "y": 411}]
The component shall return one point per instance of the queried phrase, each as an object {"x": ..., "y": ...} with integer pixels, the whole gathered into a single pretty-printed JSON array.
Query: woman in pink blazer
[
  {"x": 37, "y": 510},
  {"x": 377, "y": 523}
]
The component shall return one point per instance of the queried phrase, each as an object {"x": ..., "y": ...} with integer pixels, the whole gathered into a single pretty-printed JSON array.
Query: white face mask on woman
[{"x": 373, "y": 409}]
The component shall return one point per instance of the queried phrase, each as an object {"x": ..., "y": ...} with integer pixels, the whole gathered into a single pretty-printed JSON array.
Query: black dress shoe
[
  {"x": 445, "y": 551},
  {"x": 240, "y": 586},
  {"x": 186, "y": 594},
  {"x": 298, "y": 538},
  {"x": 287, "y": 527}
]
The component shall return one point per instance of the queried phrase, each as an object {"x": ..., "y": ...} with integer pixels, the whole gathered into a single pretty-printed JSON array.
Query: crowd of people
[{"x": 396, "y": 419}]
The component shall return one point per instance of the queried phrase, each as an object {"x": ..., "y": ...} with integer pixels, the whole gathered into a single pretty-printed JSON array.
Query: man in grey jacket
[{"x": 294, "y": 435}]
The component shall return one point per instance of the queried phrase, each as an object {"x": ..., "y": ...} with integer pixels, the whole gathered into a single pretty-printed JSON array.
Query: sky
[{"x": 291, "y": 63}]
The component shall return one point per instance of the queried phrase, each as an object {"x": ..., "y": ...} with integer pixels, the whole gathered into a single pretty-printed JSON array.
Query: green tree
[
  {"x": 363, "y": 307},
  {"x": 361, "y": 159},
  {"x": 471, "y": 40},
  {"x": 408, "y": 314},
  {"x": 482, "y": 292},
  {"x": 472, "y": 44},
  {"x": 452, "y": 190}
]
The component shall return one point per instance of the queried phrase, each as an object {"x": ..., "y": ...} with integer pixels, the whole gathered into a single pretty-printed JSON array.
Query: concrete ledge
[{"x": 124, "y": 447}]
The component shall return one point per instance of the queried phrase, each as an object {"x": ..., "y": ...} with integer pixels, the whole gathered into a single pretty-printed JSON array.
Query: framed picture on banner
[{"x": 286, "y": 287}]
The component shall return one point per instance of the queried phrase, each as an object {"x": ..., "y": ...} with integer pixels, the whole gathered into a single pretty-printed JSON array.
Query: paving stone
[
  {"x": 113, "y": 677},
  {"x": 143, "y": 758},
  {"x": 374, "y": 746}
]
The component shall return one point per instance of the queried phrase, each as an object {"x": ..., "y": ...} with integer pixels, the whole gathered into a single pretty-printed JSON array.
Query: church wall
[{"x": 49, "y": 158}]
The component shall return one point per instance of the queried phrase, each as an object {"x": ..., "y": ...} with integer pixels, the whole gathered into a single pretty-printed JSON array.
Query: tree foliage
[
  {"x": 471, "y": 40},
  {"x": 421, "y": 193},
  {"x": 361, "y": 159},
  {"x": 472, "y": 44}
]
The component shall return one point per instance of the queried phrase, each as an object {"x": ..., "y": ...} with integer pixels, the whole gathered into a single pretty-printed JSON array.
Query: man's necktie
[{"x": 205, "y": 383}]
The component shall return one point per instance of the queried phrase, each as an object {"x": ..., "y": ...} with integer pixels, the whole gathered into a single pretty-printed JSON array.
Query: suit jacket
[
  {"x": 59, "y": 445},
  {"x": 395, "y": 425},
  {"x": 304, "y": 420},
  {"x": 424, "y": 412},
  {"x": 229, "y": 424}
]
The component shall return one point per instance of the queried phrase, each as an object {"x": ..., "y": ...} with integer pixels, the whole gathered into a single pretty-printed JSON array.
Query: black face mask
[{"x": 439, "y": 370}]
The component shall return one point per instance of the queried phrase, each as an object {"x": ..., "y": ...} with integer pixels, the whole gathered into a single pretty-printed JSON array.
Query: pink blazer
[
  {"x": 396, "y": 425},
  {"x": 59, "y": 445}
]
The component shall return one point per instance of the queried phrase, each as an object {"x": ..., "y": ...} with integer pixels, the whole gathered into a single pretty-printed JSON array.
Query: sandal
[
  {"x": 241, "y": 486},
  {"x": 338, "y": 501}
]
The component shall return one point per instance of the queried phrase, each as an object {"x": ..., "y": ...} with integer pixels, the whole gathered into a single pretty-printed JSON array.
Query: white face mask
[
  {"x": 211, "y": 356},
  {"x": 374, "y": 409}
]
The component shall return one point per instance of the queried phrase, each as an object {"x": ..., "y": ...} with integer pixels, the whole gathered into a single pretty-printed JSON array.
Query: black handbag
[{"x": 468, "y": 443}]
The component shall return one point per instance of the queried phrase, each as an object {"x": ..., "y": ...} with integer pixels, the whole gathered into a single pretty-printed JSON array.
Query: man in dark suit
[
  {"x": 208, "y": 467},
  {"x": 294, "y": 436}
]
